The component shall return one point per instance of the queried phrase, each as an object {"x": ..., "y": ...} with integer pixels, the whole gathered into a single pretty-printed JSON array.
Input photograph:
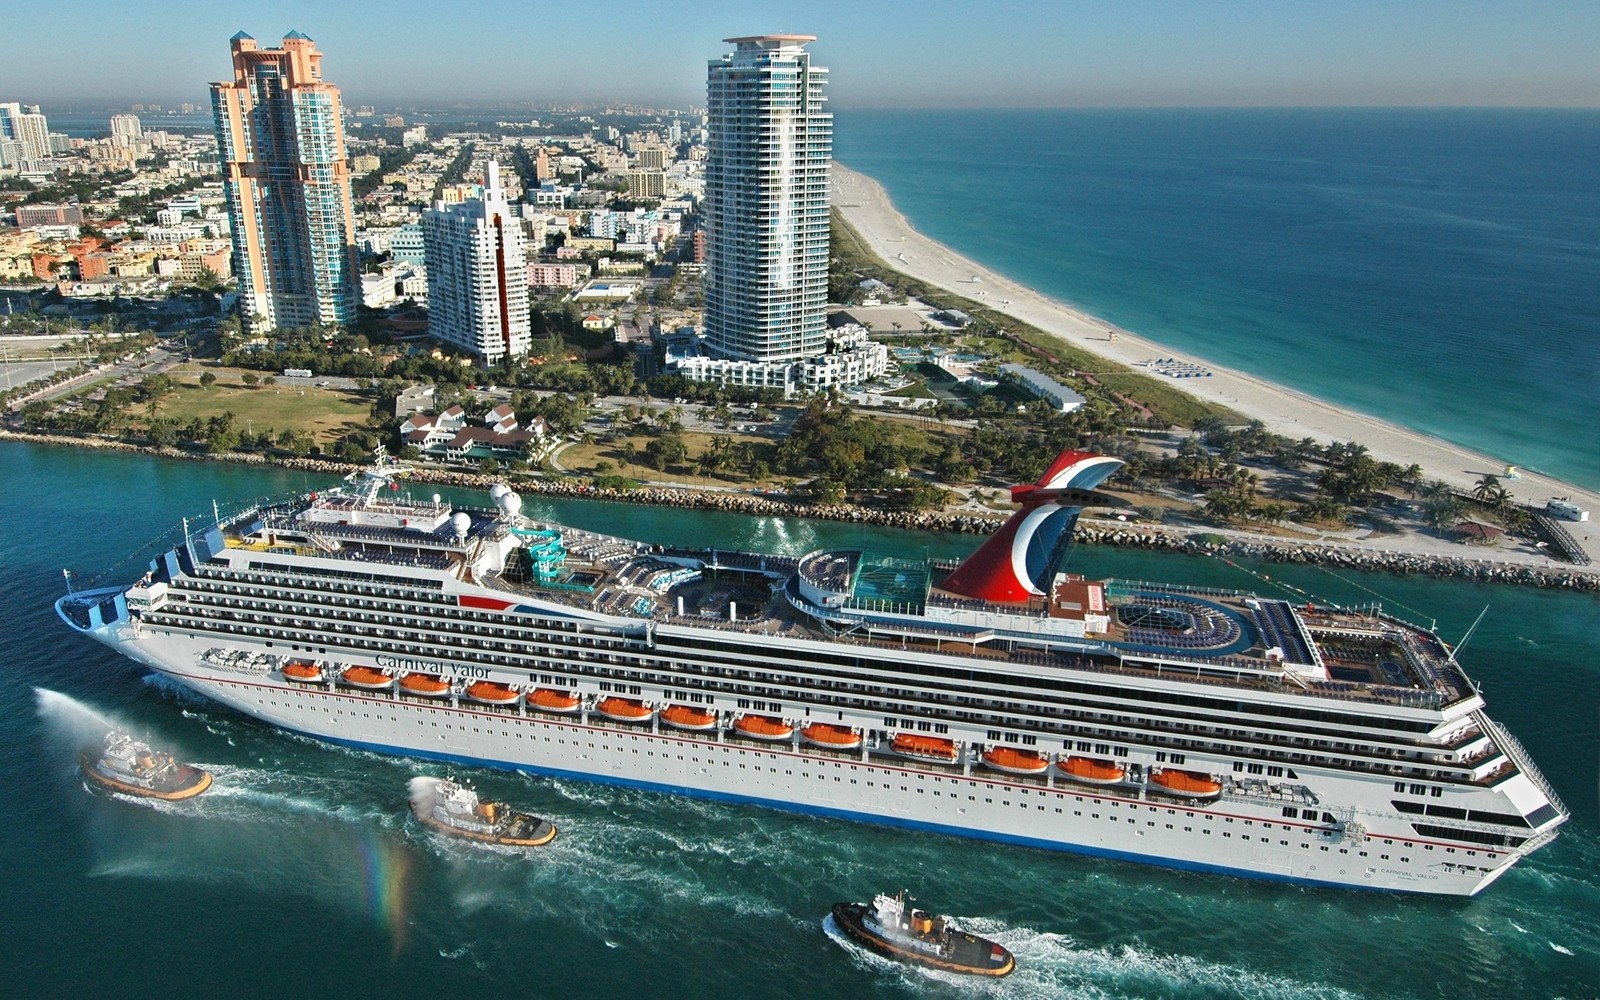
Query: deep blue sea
[
  {"x": 1437, "y": 268},
  {"x": 299, "y": 874}
]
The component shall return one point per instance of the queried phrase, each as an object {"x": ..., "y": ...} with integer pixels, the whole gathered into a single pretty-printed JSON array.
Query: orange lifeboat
[
  {"x": 551, "y": 700},
  {"x": 830, "y": 737},
  {"x": 1014, "y": 761},
  {"x": 924, "y": 748},
  {"x": 302, "y": 672},
  {"x": 1186, "y": 784},
  {"x": 688, "y": 717},
  {"x": 762, "y": 727},
  {"x": 492, "y": 693},
  {"x": 367, "y": 678},
  {"x": 623, "y": 709},
  {"x": 1093, "y": 770},
  {"x": 424, "y": 685}
]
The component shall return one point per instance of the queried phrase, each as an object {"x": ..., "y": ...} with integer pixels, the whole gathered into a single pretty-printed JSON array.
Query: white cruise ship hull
[{"x": 1234, "y": 835}]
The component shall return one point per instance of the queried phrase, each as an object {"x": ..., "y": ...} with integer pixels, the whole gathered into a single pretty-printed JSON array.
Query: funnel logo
[{"x": 1017, "y": 561}]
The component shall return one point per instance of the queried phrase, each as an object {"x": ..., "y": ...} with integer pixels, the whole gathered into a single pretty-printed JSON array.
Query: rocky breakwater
[
  {"x": 1146, "y": 536},
  {"x": 1353, "y": 557}
]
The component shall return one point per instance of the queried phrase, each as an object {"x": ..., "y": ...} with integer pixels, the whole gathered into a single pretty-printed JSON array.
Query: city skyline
[{"x": 940, "y": 54}]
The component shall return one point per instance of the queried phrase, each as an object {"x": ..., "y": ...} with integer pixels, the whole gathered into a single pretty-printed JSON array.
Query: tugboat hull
[
  {"x": 966, "y": 953},
  {"x": 522, "y": 830},
  {"x": 187, "y": 783}
]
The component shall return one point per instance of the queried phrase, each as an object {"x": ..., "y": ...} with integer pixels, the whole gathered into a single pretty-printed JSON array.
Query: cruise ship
[{"x": 1001, "y": 698}]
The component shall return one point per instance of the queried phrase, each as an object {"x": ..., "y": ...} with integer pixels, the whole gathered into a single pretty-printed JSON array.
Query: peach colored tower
[{"x": 280, "y": 137}]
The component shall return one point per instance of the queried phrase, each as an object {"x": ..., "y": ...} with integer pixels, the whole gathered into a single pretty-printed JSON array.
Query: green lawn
[{"x": 324, "y": 413}]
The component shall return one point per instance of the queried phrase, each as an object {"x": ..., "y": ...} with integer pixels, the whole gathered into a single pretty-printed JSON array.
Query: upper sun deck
[{"x": 1141, "y": 629}]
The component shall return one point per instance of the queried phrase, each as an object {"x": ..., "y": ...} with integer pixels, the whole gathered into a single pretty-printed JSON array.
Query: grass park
[{"x": 325, "y": 414}]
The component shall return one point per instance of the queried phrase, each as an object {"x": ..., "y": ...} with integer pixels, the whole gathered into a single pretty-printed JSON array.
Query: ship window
[{"x": 1436, "y": 792}]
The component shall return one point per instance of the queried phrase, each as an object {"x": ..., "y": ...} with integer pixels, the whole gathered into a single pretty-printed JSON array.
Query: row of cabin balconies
[
  {"x": 845, "y": 693},
  {"x": 465, "y": 629}
]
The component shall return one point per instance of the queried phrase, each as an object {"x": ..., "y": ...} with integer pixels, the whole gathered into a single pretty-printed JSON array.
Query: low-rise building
[
  {"x": 544, "y": 275},
  {"x": 1039, "y": 384}
]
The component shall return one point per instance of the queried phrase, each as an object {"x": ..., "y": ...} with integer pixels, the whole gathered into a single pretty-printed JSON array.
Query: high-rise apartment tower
[
  {"x": 280, "y": 137},
  {"x": 770, "y": 147},
  {"x": 478, "y": 274}
]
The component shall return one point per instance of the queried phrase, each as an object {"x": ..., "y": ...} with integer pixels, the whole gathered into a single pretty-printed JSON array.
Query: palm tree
[{"x": 1487, "y": 487}]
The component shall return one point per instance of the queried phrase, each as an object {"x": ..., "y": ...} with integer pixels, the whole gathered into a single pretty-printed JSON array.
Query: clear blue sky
[{"x": 882, "y": 53}]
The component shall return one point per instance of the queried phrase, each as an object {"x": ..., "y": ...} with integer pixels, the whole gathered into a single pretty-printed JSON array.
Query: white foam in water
[
  {"x": 180, "y": 693},
  {"x": 1050, "y": 965},
  {"x": 1563, "y": 949}
]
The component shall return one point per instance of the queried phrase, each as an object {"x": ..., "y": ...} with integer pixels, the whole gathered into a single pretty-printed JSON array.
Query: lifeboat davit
[
  {"x": 492, "y": 693},
  {"x": 688, "y": 717},
  {"x": 820, "y": 734},
  {"x": 1093, "y": 770},
  {"x": 1186, "y": 784},
  {"x": 1014, "y": 761},
  {"x": 302, "y": 672},
  {"x": 623, "y": 709},
  {"x": 367, "y": 678},
  {"x": 762, "y": 727},
  {"x": 425, "y": 685},
  {"x": 551, "y": 700},
  {"x": 932, "y": 748}
]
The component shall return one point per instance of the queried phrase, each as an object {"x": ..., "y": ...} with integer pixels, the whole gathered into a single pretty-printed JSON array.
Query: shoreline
[
  {"x": 1090, "y": 531},
  {"x": 867, "y": 208}
]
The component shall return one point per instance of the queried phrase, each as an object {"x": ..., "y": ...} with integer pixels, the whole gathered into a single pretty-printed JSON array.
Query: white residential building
[
  {"x": 125, "y": 129},
  {"x": 770, "y": 151},
  {"x": 477, "y": 275}
]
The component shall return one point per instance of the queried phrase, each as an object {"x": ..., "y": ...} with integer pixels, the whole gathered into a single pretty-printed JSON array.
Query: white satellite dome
[
  {"x": 497, "y": 491},
  {"x": 437, "y": 498},
  {"x": 462, "y": 523},
  {"x": 511, "y": 503}
]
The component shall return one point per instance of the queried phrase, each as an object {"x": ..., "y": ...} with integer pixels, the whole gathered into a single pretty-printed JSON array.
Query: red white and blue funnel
[{"x": 1018, "y": 561}]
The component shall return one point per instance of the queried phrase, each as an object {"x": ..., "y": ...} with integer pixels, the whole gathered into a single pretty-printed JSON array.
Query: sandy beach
[{"x": 866, "y": 206}]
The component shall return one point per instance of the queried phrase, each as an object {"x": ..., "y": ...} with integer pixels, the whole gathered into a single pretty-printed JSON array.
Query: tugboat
[
  {"x": 125, "y": 765},
  {"x": 891, "y": 927},
  {"x": 451, "y": 808}
]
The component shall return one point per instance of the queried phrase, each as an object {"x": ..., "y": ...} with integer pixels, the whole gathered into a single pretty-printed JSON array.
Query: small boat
[
  {"x": 1185, "y": 784},
  {"x": 1014, "y": 761},
  {"x": 762, "y": 727},
  {"x": 688, "y": 717},
  {"x": 820, "y": 734},
  {"x": 425, "y": 685},
  {"x": 891, "y": 927},
  {"x": 492, "y": 693},
  {"x": 454, "y": 809},
  {"x": 623, "y": 709},
  {"x": 551, "y": 700},
  {"x": 302, "y": 672},
  {"x": 367, "y": 678},
  {"x": 931, "y": 748},
  {"x": 126, "y": 765},
  {"x": 1093, "y": 770}
]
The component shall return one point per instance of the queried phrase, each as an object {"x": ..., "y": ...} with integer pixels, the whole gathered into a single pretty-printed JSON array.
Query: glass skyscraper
[
  {"x": 770, "y": 148},
  {"x": 280, "y": 137}
]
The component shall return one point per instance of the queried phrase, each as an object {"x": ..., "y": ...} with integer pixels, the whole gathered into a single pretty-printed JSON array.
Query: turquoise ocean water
[
  {"x": 299, "y": 875},
  {"x": 1437, "y": 268}
]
